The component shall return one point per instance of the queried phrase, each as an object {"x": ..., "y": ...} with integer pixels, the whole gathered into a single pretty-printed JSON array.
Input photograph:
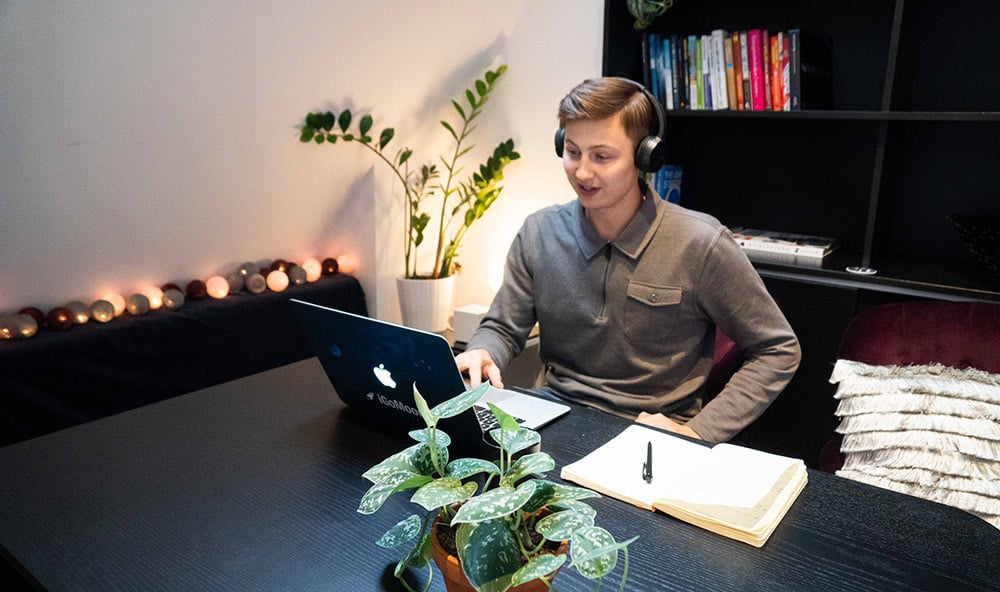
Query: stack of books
[
  {"x": 752, "y": 70},
  {"x": 782, "y": 245}
]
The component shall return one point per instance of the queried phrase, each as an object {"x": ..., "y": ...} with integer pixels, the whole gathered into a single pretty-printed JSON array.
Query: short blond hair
[{"x": 600, "y": 98}]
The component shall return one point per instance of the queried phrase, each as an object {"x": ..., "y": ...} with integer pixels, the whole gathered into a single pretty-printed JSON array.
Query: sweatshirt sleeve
[
  {"x": 736, "y": 299},
  {"x": 505, "y": 328}
]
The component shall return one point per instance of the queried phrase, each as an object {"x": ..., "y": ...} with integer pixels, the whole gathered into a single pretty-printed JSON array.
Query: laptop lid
[{"x": 373, "y": 366}]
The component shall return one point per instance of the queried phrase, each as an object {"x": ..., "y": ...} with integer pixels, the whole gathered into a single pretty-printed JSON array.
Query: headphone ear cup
[
  {"x": 560, "y": 140},
  {"x": 649, "y": 154}
]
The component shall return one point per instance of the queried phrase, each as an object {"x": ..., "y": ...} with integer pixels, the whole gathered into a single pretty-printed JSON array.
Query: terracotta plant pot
[{"x": 454, "y": 577}]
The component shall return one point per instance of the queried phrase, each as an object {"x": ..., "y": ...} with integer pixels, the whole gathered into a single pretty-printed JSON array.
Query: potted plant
[
  {"x": 507, "y": 531},
  {"x": 458, "y": 198}
]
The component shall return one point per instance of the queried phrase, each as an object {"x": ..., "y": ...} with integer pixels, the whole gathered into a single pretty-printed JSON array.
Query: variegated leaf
[
  {"x": 560, "y": 526},
  {"x": 575, "y": 506},
  {"x": 466, "y": 467},
  {"x": 544, "y": 490},
  {"x": 515, "y": 441},
  {"x": 402, "y": 531},
  {"x": 538, "y": 566},
  {"x": 460, "y": 403},
  {"x": 492, "y": 553},
  {"x": 494, "y": 504},
  {"x": 443, "y": 439},
  {"x": 425, "y": 412},
  {"x": 529, "y": 464},
  {"x": 571, "y": 492},
  {"x": 401, "y": 462},
  {"x": 378, "y": 493},
  {"x": 595, "y": 552},
  {"x": 443, "y": 492}
]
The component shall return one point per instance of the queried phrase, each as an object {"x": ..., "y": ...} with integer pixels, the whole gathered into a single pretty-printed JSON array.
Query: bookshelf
[{"x": 912, "y": 137}]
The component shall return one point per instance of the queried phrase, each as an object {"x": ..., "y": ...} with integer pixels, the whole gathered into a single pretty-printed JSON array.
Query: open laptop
[{"x": 373, "y": 366}]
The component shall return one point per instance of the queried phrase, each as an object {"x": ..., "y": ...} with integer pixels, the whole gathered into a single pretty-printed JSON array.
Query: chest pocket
[{"x": 651, "y": 311}]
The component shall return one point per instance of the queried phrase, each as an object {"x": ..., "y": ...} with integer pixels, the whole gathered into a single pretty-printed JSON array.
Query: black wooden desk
[{"x": 253, "y": 485}]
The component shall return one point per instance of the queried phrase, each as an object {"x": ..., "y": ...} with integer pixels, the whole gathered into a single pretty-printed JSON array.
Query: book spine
[
  {"x": 765, "y": 62},
  {"x": 755, "y": 58},
  {"x": 723, "y": 68},
  {"x": 794, "y": 70},
  {"x": 750, "y": 244},
  {"x": 677, "y": 74},
  {"x": 666, "y": 74},
  {"x": 686, "y": 71},
  {"x": 705, "y": 51},
  {"x": 698, "y": 99},
  {"x": 785, "y": 105},
  {"x": 727, "y": 50},
  {"x": 652, "y": 69},
  {"x": 734, "y": 44},
  {"x": 775, "y": 81},
  {"x": 745, "y": 66}
]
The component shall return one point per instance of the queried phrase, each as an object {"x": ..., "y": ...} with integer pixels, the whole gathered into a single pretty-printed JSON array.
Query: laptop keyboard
[{"x": 486, "y": 419}]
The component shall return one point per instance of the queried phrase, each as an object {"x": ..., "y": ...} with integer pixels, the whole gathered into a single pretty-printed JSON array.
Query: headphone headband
[{"x": 650, "y": 152}]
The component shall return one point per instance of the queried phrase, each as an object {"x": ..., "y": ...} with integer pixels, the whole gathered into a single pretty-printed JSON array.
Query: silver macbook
[{"x": 374, "y": 364}]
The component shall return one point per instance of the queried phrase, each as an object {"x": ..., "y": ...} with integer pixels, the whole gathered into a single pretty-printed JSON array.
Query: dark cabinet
[{"x": 913, "y": 138}]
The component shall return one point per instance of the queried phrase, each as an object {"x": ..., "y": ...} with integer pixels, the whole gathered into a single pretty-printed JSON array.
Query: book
[
  {"x": 737, "y": 70},
  {"x": 810, "y": 71},
  {"x": 765, "y": 62},
  {"x": 775, "y": 81},
  {"x": 745, "y": 66},
  {"x": 667, "y": 75},
  {"x": 755, "y": 58},
  {"x": 802, "y": 245},
  {"x": 733, "y": 491},
  {"x": 785, "y": 105}
]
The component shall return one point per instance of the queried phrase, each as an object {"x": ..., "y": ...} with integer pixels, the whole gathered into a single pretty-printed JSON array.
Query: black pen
[{"x": 647, "y": 467}]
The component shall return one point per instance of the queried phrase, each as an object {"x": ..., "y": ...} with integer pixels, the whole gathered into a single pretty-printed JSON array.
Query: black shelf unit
[{"x": 913, "y": 136}]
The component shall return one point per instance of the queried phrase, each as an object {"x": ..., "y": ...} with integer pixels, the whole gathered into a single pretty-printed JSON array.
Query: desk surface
[{"x": 253, "y": 485}]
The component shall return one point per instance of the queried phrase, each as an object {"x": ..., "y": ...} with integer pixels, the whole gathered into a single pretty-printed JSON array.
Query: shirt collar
[{"x": 632, "y": 240}]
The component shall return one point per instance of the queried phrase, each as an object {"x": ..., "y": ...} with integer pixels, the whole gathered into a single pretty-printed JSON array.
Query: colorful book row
[{"x": 752, "y": 70}]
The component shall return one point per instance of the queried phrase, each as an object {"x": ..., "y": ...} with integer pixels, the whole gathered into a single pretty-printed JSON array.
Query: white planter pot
[{"x": 426, "y": 303}]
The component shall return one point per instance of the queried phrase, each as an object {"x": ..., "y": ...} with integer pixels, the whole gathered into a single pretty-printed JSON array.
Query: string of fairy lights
[{"x": 249, "y": 277}]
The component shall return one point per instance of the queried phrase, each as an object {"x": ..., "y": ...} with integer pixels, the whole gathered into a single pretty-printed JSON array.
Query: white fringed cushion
[{"x": 930, "y": 431}]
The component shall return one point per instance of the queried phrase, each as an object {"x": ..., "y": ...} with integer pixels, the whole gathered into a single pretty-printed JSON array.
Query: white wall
[{"x": 146, "y": 142}]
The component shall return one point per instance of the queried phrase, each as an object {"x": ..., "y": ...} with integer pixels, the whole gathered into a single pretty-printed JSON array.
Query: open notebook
[{"x": 734, "y": 491}]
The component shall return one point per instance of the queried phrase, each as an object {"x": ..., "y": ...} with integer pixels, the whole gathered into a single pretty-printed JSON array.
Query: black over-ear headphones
[{"x": 650, "y": 154}]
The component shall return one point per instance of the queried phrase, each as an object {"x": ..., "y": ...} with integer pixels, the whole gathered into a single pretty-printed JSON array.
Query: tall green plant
[{"x": 462, "y": 200}]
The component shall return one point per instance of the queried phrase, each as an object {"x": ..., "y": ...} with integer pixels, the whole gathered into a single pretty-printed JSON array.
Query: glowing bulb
[
  {"x": 313, "y": 269},
  {"x": 102, "y": 311},
  {"x": 173, "y": 298},
  {"x": 81, "y": 312},
  {"x": 255, "y": 283},
  {"x": 117, "y": 301},
  {"x": 347, "y": 263},
  {"x": 277, "y": 280},
  {"x": 217, "y": 286},
  {"x": 155, "y": 296}
]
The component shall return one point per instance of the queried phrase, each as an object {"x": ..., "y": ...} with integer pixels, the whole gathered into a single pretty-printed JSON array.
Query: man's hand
[
  {"x": 479, "y": 363},
  {"x": 658, "y": 420}
]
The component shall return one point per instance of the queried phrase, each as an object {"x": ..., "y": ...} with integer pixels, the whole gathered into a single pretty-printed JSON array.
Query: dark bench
[{"x": 59, "y": 379}]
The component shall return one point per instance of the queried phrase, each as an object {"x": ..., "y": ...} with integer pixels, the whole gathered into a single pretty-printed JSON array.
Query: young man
[{"x": 627, "y": 289}]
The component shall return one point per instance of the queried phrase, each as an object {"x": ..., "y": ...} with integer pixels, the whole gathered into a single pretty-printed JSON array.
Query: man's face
[{"x": 599, "y": 160}]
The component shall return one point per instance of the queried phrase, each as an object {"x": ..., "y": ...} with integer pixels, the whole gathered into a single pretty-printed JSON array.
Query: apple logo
[{"x": 384, "y": 376}]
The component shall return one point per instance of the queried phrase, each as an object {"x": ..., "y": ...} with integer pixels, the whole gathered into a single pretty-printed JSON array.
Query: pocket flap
[{"x": 653, "y": 295}]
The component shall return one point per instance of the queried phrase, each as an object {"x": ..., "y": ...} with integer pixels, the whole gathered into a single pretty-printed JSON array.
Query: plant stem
[{"x": 403, "y": 177}]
